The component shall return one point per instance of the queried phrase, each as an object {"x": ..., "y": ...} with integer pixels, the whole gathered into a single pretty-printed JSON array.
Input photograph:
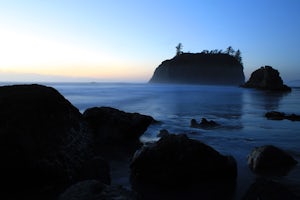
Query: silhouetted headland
[
  {"x": 211, "y": 68},
  {"x": 266, "y": 78}
]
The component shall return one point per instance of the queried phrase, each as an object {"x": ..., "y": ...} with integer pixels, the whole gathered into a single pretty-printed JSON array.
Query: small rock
[
  {"x": 274, "y": 115},
  {"x": 205, "y": 124}
]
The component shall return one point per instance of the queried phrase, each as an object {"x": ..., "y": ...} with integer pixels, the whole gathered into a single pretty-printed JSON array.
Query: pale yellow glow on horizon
[{"x": 25, "y": 53}]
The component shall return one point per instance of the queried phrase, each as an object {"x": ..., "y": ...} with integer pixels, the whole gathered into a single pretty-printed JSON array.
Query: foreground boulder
[
  {"x": 115, "y": 128},
  {"x": 266, "y": 78},
  {"x": 44, "y": 141},
  {"x": 270, "y": 160},
  {"x": 274, "y": 115},
  {"x": 178, "y": 160},
  {"x": 95, "y": 190}
]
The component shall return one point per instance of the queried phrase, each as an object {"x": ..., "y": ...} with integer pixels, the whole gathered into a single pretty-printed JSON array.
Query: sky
[{"x": 125, "y": 40}]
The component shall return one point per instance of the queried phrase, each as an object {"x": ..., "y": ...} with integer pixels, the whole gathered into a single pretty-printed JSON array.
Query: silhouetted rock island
[
  {"x": 266, "y": 78},
  {"x": 200, "y": 68}
]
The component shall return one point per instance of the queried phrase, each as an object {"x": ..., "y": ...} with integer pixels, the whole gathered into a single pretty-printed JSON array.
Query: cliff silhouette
[{"x": 200, "y": 68}]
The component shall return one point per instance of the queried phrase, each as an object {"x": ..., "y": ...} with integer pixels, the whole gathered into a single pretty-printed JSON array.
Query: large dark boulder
[
  {"x": 178, "y": 160},
  {"x": 200, "y": 68},
  {"x": 43, "y": 138},
  {"x": 115, "y": 128},
  {"x": 269, "y": 159},
  {"x": 266, "y": 78}
]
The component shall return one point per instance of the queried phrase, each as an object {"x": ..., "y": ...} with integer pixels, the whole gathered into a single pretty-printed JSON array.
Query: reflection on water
[{"x": 267, "y": 100}]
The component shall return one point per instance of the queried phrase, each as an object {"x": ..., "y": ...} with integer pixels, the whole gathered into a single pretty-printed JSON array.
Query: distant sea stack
[
  {"x": 266, "y": 78},
  {"x": 200, "y": 68}
]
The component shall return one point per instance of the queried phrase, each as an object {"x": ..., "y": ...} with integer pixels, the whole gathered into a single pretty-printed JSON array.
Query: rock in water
[
  {"x": 178, "y": 160},
  {"x": 43, "y": 139},
  {"x": 205, "y": 124},
  {"x": 269, "y": 159},
  {"x": 266, "y": 78},
  {"x": 200, "y": 68},
  {"x": 274, "y": 115},
  {"x": 115, "y": 128}
]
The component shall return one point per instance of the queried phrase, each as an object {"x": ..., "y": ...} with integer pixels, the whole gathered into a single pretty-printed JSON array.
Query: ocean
[{"x": 240, "y": 112}]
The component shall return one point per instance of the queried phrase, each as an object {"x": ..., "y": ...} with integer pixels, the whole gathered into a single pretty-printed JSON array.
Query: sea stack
[
  {"x": 200, "y": 68},
  {"x": 266, "y": 78}
]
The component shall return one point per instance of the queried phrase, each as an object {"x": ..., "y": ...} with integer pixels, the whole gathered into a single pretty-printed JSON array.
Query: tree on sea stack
[
  {"x": 179, "y": 49},
  {"x": 238, "y": 56},
  {"x": 230, "y": 50}
]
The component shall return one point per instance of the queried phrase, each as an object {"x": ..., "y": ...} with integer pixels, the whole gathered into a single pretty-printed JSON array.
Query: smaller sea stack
[{"x": 266, "y": 78}]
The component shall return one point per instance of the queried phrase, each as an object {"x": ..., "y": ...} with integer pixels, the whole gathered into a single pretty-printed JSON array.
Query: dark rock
[
  {"x": 43, "y": 138},
  {"x": 163, "y": 133},
  {"x": 200, "y": 68},
  {"x": 264, "y": 189},
  {"x": 95, "y": 169},
  {"x": 95, "y": 190},
  {"x": 178, "y": 160},
  {"x": 269, "y": 159},
  {"x": 205, "y": 124},
  {"x": 274, "y": 115},
  {"x": 115, "y": 128},
  {"x": 293, "y": 117},
  {"x": 266, "y": 78}
]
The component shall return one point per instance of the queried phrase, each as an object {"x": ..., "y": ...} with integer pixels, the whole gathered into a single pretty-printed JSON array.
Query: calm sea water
[{"x": 240, "y": 112}]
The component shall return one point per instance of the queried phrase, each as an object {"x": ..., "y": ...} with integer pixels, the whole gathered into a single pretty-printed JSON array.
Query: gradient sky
[{"x": 125, "y": 40}]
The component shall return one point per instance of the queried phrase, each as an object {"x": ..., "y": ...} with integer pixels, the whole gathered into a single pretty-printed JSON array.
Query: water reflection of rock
[{"x": 267, "y": 100}]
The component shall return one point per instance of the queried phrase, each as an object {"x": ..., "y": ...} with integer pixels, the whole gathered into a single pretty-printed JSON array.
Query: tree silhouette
[
  {"x": 230, "y": 50},
  {"x": 238, "y": 56},
  {"x": 179, "y": 49}
]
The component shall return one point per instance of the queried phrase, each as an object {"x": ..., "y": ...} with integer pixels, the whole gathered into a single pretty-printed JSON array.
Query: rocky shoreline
[{"x": 50, "y": 150}]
